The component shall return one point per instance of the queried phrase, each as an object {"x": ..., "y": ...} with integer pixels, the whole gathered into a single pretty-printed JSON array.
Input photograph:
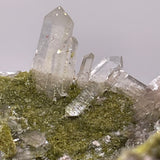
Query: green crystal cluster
[{"x": 32, "y": 110}]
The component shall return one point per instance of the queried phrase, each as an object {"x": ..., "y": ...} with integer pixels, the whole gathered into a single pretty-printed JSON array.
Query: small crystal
[
  {"x": 101, "y": 72},
  {"x": 65, "y": 157},
  {"x": 107, "y": 139},
  {"x": 126, "y": 83},
  {"x": 96, "y": 143},
  {"x": 148, "y": 105},
  {"x": 82, "y": 101},
  {"x": 34, "y": 139},
  {"x": 155, "y": 84},
  {"x": 85, "y": 69}
]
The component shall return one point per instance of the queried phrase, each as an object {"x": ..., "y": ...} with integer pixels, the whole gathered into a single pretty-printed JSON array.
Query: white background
[{"x": 130, "y": 28}]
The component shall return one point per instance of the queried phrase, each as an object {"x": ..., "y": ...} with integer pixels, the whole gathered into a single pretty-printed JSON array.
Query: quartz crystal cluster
[
  {"x": 89, "y": 115},
  {"x": 54, "y": 66}
]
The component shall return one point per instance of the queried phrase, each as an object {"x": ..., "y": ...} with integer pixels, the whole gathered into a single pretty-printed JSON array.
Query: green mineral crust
[
  {"x": 35, "y": 125},
  {"x": 7, "y": 144},
  {"x": 150, "y": 150}
]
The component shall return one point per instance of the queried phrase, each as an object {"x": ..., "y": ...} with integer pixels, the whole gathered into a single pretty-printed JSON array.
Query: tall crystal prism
[
  {"x": 54, "y": 62},
  {"x": 85, "y": 69}
]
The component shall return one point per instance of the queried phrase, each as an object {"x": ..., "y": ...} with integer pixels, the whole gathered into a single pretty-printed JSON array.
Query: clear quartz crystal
[
  {"x": 101, "y": 72},
  {"x": 54, "y": 62},
  {"x": 56, "y": 31},
  {"x": 82, "y": 101},
  {"x": 148, "y": 105},
  {"x": 34, "y": 138},
  {"x": 85, "y": 69},
  {"x": 95, "y": 86},
  {"x": 126, "y": 83},
  {"x": 155, "y": 84}
]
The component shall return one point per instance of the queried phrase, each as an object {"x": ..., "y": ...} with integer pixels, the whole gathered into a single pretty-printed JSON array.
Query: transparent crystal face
[
  {"x": 85, "y": 69},
  {"x": 129, "y": 85},
  {"x": 64, "y": 60},
  {"x": 56, "y": 31},
  {"x": 148, "y": 104},
  {"x": 155, "y": 84},
  {"x": 101, "y": 72},
  {"x": 82, "y": 101},
  {"x": 54, "y": 62}
]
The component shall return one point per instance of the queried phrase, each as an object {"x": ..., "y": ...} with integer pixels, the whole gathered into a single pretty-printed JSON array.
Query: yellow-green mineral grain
[
  {"x": 149, "y": 150},
  {"x": 7, "y": 145}
]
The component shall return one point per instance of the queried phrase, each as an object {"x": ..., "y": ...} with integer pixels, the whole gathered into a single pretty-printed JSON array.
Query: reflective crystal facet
[
  {"x": 56, "y": 31},
  {"x": 155, "y": 84},
  {"x": 96, "y": 85},
  {"x": 126, "y": 83},
  {"x": 148, "y": 105},
  {"x": 82, "y": 101},
  {"x": 85, "y": 69},
  {"x": 101, "y": 72},
  {"x": 54, "y": 62}
]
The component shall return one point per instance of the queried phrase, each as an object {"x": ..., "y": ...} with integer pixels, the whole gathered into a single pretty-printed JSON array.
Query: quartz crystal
[
  {"x": 34, "y": 139},
  {"x": 55, "y": 56},
  {"x": 126, "y": 83},
  {"x": 85, "y": 69},
  {"x": 101, "y": 72},
  {"x": 118, "y": 110},
  {"x": 97, "y": 79},
  {"x": 149, "y": 103},
  {"x": 65, "y": 157},
  {"x": 82, "y": 101},
  {"x": 155, "y": 84},
  {"x": 56, "y": 31}
]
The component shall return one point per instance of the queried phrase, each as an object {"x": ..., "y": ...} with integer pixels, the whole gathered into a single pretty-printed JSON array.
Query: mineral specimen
[
  {"x": 54, "y": 61},
  {"x": 95, "y": 86},
  {"x": 52, "y": 114}
]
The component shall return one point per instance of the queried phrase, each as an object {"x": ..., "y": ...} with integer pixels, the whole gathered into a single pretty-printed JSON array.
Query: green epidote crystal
[
  {"x": 31, "y": 110},
  {"x": 7, "y": 145}
]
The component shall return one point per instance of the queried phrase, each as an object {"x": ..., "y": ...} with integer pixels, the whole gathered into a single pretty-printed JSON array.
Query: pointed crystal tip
[
  {"x": 57, "y": 11},
  {"x": 105, "y": 68},
  {"x": 60, "y": 8}
]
